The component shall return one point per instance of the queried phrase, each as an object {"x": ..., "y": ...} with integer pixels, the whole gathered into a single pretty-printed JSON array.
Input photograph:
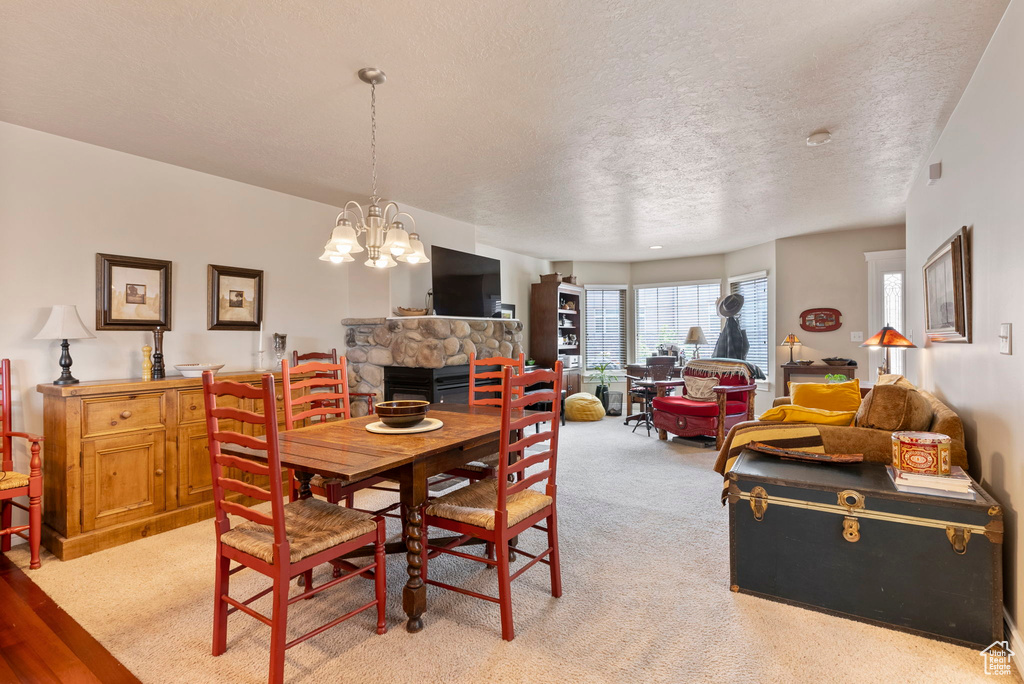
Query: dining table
[{"x": 346, "y": 450}]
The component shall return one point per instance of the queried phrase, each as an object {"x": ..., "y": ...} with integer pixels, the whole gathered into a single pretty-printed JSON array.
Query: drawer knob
[
  {"x": 192, "y": 407},
  {"x": 159, "y": 472},
  {"x": 280, "y": 397},
  {"x": 126, "y": 414}
]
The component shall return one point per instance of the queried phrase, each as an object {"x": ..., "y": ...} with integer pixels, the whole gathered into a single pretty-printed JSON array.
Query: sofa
[{"x": 887, "y": 408}]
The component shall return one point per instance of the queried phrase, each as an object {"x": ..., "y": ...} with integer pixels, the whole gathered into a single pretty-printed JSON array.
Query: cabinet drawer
[
  {"x": 122, "y": 414},
  {"x": 192, "y": 410}
]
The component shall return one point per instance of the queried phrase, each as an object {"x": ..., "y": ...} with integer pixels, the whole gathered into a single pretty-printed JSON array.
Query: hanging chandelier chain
[{"x": 373, "y": 140}]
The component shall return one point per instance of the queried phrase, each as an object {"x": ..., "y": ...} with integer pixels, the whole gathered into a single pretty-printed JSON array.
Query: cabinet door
[
  {"x": 122, "y": 478},
  {"x": 571, "y": 382},
  {"x": 195, "y": 482}
]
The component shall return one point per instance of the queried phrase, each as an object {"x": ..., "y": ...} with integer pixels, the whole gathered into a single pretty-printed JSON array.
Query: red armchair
[
  {"x": 688, "y": 417},
  {"x": 14, "y": 484}
]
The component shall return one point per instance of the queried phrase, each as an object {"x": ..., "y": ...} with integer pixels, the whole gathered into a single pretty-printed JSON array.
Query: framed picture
[
  {"x": 234, "y": 298},
  {"x": 508, "y": 311},
  {"x": 132, "y": 293},
  {"x": 947, "y": 291}
]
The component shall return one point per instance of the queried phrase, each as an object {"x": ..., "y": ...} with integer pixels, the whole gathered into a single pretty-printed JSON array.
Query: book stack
[{"x": 956, "y": 485}]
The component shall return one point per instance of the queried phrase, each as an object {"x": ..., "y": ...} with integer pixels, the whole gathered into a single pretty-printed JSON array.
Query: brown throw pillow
[{"x": 894, "y": 407}]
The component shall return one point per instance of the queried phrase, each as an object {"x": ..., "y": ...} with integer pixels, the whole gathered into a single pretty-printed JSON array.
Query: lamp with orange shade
[
  {"x": 887, "y": 338},
  {"x": 791, "y": 341}
]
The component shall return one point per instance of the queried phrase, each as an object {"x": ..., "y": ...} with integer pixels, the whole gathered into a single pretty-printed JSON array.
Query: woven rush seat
[
  {"x": 474, "y": 504},
  {"x": 312, "y": 526},
  {"x": 13, "y": 480}
]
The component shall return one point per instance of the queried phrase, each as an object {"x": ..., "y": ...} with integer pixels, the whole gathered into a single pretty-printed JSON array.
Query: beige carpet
[{"x": 646, "y": 599}]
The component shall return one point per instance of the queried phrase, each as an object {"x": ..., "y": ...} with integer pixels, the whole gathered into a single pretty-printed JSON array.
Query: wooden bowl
[
  {"x": 836, "y": 361},
  {"x": 402, "y": 412}
]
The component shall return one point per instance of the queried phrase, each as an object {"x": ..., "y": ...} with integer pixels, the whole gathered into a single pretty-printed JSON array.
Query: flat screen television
[{"x": 465, "y": 284}]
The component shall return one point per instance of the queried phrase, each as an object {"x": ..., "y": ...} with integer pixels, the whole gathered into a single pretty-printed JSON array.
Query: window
[
  {"x": 753, "y": 317},
  {"x": 605, "y": 312},
  {"x": 665, "y": 314},
  {"x": 892, "y": 307},
  {"x": 886, "y": 303}
]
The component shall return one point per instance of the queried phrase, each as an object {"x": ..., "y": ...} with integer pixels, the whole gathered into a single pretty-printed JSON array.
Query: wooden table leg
[
  {"x": 413, "y": 482},
  {"x": 305, "y": 491}
]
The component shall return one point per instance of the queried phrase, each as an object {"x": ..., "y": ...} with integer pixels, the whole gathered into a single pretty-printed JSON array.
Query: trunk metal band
[{"x": 993, "y": 531}]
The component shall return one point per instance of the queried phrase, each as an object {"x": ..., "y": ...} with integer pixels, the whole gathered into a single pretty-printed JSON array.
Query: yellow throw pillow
[
  {"x": 791, "y": 413},
  {"x": 831, "y": 396}
]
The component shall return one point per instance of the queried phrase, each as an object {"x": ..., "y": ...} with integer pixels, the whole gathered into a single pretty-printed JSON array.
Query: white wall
[
  {"x": 518, "y": 273},
  {"x": 828, "y": 270},
  {"x": 982, "y": 155}
]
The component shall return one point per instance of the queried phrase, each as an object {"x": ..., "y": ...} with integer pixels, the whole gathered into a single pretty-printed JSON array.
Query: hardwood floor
[{"x": 39, "y": 642}]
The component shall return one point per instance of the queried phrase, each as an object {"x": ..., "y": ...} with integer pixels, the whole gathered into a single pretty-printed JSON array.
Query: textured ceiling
[{"x": 584, "y": 130}]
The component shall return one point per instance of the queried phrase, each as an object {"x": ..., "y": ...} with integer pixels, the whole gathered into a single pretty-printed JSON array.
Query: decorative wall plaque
[{"x": 821, "y": 320}]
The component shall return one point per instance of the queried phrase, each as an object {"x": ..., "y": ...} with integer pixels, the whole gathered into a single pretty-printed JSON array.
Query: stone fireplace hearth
[{"x": 421, "y": 342}]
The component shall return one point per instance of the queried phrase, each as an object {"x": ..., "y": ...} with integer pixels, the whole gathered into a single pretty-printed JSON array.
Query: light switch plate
[
  {"x": 1005, "y": 335},
  {"x": 857, "y": 336}
]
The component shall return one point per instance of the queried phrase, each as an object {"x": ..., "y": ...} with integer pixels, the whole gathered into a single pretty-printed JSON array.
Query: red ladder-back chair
[
  {"x": 496, "y": 510},
  {"x": 332, "y": 403},
  {"x": 292, "y": 540},
  {"x": 484, "y": 393},
  {"x": 14, "y": 484},
  {"x": 332, "y": 357}
]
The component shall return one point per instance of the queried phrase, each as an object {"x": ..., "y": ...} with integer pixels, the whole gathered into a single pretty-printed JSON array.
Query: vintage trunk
[{"x": 840, "y": 539}]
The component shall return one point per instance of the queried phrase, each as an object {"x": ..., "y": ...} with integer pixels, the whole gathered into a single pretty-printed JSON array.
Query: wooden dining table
[{"x": 345, "y": 450}]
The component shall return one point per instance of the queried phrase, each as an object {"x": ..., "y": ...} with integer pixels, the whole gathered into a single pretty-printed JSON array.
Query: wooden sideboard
[{"x": 126, "y": 459}]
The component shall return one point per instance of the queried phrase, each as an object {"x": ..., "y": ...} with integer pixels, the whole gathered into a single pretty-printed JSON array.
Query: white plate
[
  {"x": 427, "y": 425},
  {"x": 195, "y": 370}
]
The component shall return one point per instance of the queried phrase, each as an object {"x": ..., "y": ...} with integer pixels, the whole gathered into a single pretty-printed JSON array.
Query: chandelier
[{"x": 385, "y": 236}]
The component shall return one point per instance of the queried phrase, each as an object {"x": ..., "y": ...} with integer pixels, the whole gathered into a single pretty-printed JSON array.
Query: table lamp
[
  {"x": 886, "y": 338},
  {"x": 696, "y": 338},
  {"x": 64, "y": 324},
  {"x": 791, "y": 341}
]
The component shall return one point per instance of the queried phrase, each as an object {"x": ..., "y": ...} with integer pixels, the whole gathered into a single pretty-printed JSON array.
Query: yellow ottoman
[{"x": 583, "y": 407}]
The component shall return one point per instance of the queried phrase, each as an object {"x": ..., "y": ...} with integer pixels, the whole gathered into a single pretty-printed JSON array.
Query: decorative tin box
[{"x": 921, "y": 452}]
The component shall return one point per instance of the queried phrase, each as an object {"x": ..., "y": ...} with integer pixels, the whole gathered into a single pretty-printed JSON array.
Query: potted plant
[{"x": 602, "y": 376}]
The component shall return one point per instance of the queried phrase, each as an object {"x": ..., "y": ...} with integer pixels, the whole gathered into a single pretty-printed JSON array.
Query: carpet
[{"x": 646, "y": 599}]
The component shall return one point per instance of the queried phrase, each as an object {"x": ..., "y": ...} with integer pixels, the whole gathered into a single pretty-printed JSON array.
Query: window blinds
[
  {"x": 605, "y": 341},
  {"x": 666, "y": 314},
  {"x": 753, "y": 317}
]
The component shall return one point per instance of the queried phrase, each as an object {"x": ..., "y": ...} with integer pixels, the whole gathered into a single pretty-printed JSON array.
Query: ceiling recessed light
[
  {"x": 822, "y": 137},
  {"x": 655, "y": 246}
]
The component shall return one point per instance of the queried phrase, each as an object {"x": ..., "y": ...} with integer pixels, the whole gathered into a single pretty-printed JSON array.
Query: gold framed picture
[
  {"x": 947, "y": 291},
  {"x": 132, "y": 293},
  {"x": 235, "y": 298}
]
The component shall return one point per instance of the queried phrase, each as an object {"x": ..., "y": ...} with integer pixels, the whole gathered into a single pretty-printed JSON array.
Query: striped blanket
[
  {"x": 720, "y": 367},
  {"x": 796, "y": 436}
]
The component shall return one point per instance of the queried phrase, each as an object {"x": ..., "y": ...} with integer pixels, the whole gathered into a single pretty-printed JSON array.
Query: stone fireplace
[{"x": 421, "y": 342}]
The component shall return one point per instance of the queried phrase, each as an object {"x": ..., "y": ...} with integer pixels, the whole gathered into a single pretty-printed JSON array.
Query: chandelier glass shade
[{"x": 385, "y": 238}]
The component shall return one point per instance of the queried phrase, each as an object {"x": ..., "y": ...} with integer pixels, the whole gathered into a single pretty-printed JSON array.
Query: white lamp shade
[
  {"x": 397, "y": 241},
  {"x": 383, "y": 261},
  {"x": 64, "y": 323},
  {"x": 416, "y": 254},
  {"x": 345, "y": 240},
  {"x": 696, "y": 336}
]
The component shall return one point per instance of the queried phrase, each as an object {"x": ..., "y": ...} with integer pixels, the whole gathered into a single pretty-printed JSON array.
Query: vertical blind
[
  {"x": 753, "y": 317},
  {"x": 605, "y": 337},
  {"x": 666, "y": 314}
]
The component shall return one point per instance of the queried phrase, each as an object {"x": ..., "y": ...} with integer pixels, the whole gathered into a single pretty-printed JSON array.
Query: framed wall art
[
  {"x": 132, "y": 293},
  {"x": 947, "y": 291},
  {"x": 508, "y": 311},
  {"x": 234, "y": 298},
  {"x": 821, "y": 320}
]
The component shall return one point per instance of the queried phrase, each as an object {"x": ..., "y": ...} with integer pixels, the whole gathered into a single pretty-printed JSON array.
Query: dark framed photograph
[
  {"x": 132, "y": 293},
  {"x": 508, "y": 310},
  {"x": 234, "y": 298},
  {"x": 947, "y": 291}
]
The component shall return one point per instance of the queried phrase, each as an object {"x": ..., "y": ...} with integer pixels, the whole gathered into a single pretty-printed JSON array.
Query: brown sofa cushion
[{"x": 894, "y": 407}]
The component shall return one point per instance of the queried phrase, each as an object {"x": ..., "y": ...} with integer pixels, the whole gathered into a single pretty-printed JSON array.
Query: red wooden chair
[
  {"x": 312, "y": 405},
  {"x": 292, "y": 540},
  {"x": 483, "y": 391},
  {"x": 688, "y": 417},
  {"x": 14, "y": 484},
  {"x": 332, "y": 357},
  {"x": 497, "y": 510}
]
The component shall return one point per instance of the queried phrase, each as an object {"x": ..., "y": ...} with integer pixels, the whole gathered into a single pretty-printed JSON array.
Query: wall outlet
[
  {"x": 857, "y": 336},
  {"x": 1005, "y": 335}
]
